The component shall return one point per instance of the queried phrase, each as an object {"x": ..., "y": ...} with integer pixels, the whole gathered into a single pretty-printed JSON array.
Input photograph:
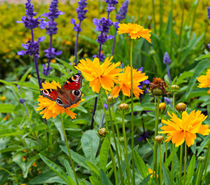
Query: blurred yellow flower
[
  {"x": 124, "y": 82},
  {"x": 204, "y": 80},
  {"x": 150, "y": 171},
  {"x": 135, "y": 31},
  {"x": 24, "y": 158},
  {"x": 185, "y": 129},
  {"x": 53, "y": 61},
  {"x": 99, "y": 75},
  {"x": 3, "y": 98},
  {"x": 50, "y": 108},
  {"x": 29, "y": 76},
  {"x": 34, "y": 164},
  {"x": 6, "y": 118}
]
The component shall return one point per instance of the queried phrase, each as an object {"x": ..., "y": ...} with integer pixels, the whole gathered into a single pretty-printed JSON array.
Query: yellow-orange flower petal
[
  {"x": 50, "y": 108},
  {"x": 184, "y": 130},
  {"x": 99, "y": 75},
  {"x": 204, "y": 80},
  {"x": 124, "y": 82},
  {"x": 135, "y": 31}
]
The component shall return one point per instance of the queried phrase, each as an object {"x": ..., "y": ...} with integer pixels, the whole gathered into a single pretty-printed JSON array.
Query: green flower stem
[
  {"x": 185, "y": 162},
  {"x": 132, "y": 124},
  {"x": 113, "y": 162},
  {"x": 68, "y": 149},
  {"x": 166, "y": 154},
  {"x": 174, "y": 100},
  {"x": 182, "y": 23},
  {"x": 115, "y": 141},
  {"x": 125, "y": 147},
  {"x": 161, "y": 16},
  {"x": 156, "y": 132},
  {"x": 199, "y": 173},
  {"x": 161, "y": 174},
  {"x": 206, "y": 162},
  {"x": 111, "y": 152},
  {"x": 180, "y": 165},
  {"x": 153, "y": 15},
  {"x": 171, "y": 25}
]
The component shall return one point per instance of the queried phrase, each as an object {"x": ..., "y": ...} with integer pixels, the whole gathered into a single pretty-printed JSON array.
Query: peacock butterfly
[{"x": 68, "y": 94}]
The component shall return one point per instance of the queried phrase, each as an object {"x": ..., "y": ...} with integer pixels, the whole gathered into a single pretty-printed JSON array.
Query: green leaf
[
  {"x": 90, "y": 144},
  {"x": 142, "y": 168},
  {"x": 104, "y": 179},
  {"x": 104, "y": 153},
  {"x": 49, "y": 177},
  {"x": 79, "y": 159},
  {"x": 57, "y": 169},
  {"x": 203, "y": 144},
  {"x": 190, "y": 170},
  {"x": 5, "y": 108},
  {"x": 93, "y": 167},
  {"x": 166, "y": 175},
  {"x": 198, "y": 70},
  {"x": 145, "y": 181},
  {"x": 25, "y": 75}
]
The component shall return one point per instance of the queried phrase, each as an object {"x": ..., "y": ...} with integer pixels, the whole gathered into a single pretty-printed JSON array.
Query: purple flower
[
  {"x": 209, "y": 46},
  {"x": 77, "y": 27},
  {"x": 208, "y": 12},
  {"x": 103, "y": 26},
  {"x": 51, "y": 27},
  {"x": 81, "y": 10},
  {"x": 51, "y": 54},
  {"x": 53, "y": 10},
  {"x": 21, "y": 100},
  {"x": 111, "y": 4},
  {"x": 28, "y": 20},
  {"x": 122, "y": 11},
  {"x": 144, "y": 83},
  {"x": 31, "y": 48},
  {"x": 167, "y": 100},
  {"x": 166, "y": 58},
  {"x": 101, "y": 57},
  {"x": 143, "y": 136},
  {"x": 46, "y": 72}
]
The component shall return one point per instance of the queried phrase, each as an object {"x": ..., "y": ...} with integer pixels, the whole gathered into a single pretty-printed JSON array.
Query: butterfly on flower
[{"x": 66, "y": 95}]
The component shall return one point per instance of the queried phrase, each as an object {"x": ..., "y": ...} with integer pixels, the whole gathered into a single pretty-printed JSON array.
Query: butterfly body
[{"x": 68, "y": 94}]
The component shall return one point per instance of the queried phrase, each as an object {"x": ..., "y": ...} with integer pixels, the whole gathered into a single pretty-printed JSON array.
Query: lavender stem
[
  {"x": 36, "y": 62},
  {"x": 50, "y": 52},
  {"x": 76, "y": 45},
  {"x": 169, "y": 75}
]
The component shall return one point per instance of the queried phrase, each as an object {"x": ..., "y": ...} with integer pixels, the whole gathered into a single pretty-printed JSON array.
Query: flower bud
[
  {"x": 157, "y": 92},
  {"x": 102, "y": 132},
  {"x": 159, "y": 138},
  {"x": 152, "y": 52},
  {"x": 162, "y": 106},
  {"x": 110, "y": 98},
  {"x": 181, "y": 107},
  {"x": 174, "y": 88},
  {"x": 123, "y": 106}
]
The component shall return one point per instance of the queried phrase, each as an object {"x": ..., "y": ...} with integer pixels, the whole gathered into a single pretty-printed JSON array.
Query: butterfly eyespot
[
  {"x": 76, "y": 92},
  {"x": 46, "y": 92},
  {"x": 59, "y": 101}
]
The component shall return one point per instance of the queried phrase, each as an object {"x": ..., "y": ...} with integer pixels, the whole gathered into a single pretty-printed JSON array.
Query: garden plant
[{"x": 105, "y": 92}]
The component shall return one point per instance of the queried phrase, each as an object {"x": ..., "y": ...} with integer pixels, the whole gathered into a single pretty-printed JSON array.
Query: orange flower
[
  {"x": 51, "y": 108},
  {"x": 124, "y": 82},
  {"x": 204, "y": 80},
  {"x": 185, "y": 129},
  {"x": 150, "y": 171},
  {"x": 99, "y": 75},
  {"x": 135, "y": 31}
]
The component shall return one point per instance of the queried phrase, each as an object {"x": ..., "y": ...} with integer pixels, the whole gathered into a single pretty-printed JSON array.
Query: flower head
[
  {"x": 135, "y": 31},
  {"x": 50, "y": 108},
  {"x": 204, "y": 80},
  {"x": 46, "y": 72},
  {"x": 185, "y": 129},
  {"x": 99, "y": 75},
  {"x": 111, "y": 4},
  {"x": 53, "y": 10},
  {"x": 122, "y": 11},
  {"x": 208, "y": 12},
  {"x": 52, "y": 53},
  {"x": 158, "y": 86},
  {"x": 31, "y": 48},
  {"x": 166, "y": 58},
  {"x": 28, "y": 20},
  {"x": 124, "y": 82}
]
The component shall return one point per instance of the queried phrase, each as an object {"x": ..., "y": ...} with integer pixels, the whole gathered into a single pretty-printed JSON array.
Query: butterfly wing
[
  {"x": 73, "y": 83},
  {"x": 52, "y": 94}
]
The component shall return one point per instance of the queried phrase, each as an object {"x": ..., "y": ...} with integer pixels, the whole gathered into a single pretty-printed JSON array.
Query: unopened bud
[
  {"x": 157, "y": 92},
  {"x": 174, "y": 88},
  {"x": 123, "y": 106},
  {"x": 102, "y": 132},
  {"x": 159, "y": 138},
  {"x": 181, "y": 107},
  {"x": 201, "y": 158},
  {"x": 110, "y": 98},
  {"x": 162, "y": 106}
]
